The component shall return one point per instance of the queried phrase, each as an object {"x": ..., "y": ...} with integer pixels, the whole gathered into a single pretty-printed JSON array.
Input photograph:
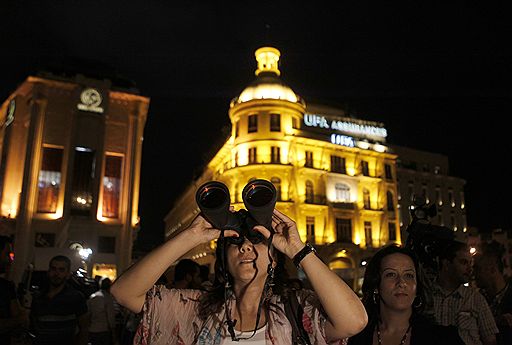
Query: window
[
  {"x": 343, "y": 230},
  {"x": 310, "y": 229},
  {"x": 366, "y": 199},
  {"x": 439, "y": 200},
  {"x": 338, "y": 165},
  {"x": 364, "y": 168},
  {"x": 410, "y": 190},
  {"x": 276, "y": 181},
  {"x": 106, "y": 244},
  {"x": 295, "y": 123},
  {"x": 252, "y": 155},
  {"x": 237, "y": 129},
  {"x": 424, "y": 192},
  {"x": 236, "y": 193},
  {"x": 275, "y": 154},
  {"x": 309, "y": 159},
  {"x": 391, "y": 231},
  {"x": 44, "y": 240},
  {"x": 342, "y": 192},
  {"x": 49, "y": 180},
  {"x": 112, "y": 186},
  {"x": 310, "y": 194},
  {"x": 236, "y": 158},
  {"x": 368, "y": 234},
  {"x": 275, "y": 122},
  {"x": 82, "y": 183},
  {"x": 387, "y": 171},
  {"x": 253, "y": 124},
  {"x": 451, "y": 199},
  {"x": 390, "y": 201}
]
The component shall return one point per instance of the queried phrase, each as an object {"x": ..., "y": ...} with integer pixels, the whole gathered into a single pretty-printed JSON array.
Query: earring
[
  {"x": 375, "y": 296},
  {"x": 417, "y": 302}
]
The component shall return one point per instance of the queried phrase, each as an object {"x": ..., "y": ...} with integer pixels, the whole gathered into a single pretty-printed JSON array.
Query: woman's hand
[
  {"x": 286, "y": 236},
  {"x": 201, "y": 231}
]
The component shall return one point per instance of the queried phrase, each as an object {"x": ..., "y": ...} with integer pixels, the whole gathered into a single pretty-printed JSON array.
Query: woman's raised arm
[{"x": 131, "y": 287}]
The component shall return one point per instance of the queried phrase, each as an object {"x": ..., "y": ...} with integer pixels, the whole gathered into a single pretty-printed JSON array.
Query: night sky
[{"x": 439, "y": 78}]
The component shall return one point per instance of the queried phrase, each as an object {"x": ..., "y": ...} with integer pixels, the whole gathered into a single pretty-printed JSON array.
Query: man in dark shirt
[
  {"x": 59, "y": 314},
  {"x": 10, "y": 311}
]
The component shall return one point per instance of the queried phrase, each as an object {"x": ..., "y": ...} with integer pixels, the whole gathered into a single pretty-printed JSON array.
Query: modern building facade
[
  {"x": 426, "y": 174},
  {"x": 69, "y": 171},
  {"x": 335, "y": 175}
]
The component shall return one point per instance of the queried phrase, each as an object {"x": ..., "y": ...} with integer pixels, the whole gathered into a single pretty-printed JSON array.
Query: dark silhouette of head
[{"x": 187, "y": 274}]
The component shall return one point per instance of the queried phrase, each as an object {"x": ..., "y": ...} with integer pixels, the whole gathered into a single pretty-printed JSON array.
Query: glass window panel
[
  {"x": 82, "y": 184},
  {"x": 49, "y": 180},
  {"x": 112, "y": 186}
]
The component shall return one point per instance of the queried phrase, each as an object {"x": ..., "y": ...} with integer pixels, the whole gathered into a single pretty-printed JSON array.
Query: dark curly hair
[
  {"x": 213, "y": 300},
  {"x": 372, "y": 280}
]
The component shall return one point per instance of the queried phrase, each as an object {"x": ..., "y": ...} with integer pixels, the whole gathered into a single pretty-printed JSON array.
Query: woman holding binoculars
[{"x": 250, "y": 300}]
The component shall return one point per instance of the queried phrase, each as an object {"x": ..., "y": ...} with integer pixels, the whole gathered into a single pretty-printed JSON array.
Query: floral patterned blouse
[{"x": 170, "y": 316}]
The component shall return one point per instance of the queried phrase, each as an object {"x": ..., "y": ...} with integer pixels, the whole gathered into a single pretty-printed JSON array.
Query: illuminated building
[
  {"x": 427, "y": 174},
  {"x": 334, "y": 174},
  {"x": 69, "y": 171}
]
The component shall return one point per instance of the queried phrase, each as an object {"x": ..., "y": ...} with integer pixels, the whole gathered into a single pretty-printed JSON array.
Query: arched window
[
  {"x": 236, "y": 192},
  {"x": 310, "y": 193},
  {"x": 276, "y": 181},
  {"x": 342, "y": 192},
  {"x": 390, "y": 201},
  {"x": 366, "y": 199}
]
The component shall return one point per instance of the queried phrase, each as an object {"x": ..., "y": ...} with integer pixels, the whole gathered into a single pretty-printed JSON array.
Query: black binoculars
[{"x": 259, "y": 197}]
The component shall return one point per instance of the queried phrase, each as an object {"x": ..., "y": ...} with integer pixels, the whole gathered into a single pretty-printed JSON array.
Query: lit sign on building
[
  {"x": 90, "y": 100},
  {"x": 342, "y": 140},
  {"x": 313, "y": 120}
]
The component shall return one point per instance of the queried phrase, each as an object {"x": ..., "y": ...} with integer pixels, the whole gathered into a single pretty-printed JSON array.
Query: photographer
[{"x": 242, "y": 307}]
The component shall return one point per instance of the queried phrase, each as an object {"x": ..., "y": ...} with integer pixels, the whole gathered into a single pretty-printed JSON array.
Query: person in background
[
  {"x": 457, "y": 304},
  {"x": 394, "y": 297},
  {"x": 205, "y": 277},
  {"x": 331, "y": 313},
  {"x": 10, "y": 310},
  {"x": 187, "y": 275},
  {"x": 102, "y": 325},
  {"x": 58, "y": 315},
  {"x": 489, "y": 277}
]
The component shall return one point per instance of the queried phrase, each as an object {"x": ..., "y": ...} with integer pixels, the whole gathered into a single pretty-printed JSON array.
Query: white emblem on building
[{"x": 90, "y": 100}]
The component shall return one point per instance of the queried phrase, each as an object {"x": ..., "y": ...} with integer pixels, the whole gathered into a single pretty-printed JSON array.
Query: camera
[
  {"x": 259, "y": 197},
  {"x": 427, "y": 241}
]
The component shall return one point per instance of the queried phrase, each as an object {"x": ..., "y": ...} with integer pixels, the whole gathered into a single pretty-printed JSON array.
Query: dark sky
[{"x": 438, "y": 77}]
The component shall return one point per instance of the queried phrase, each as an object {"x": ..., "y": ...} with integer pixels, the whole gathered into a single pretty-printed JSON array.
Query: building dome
[{"x": 267, "y": 84}]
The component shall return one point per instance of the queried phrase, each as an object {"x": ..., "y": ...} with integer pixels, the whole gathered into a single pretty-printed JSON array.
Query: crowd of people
[{"x": 251, "y": 298}]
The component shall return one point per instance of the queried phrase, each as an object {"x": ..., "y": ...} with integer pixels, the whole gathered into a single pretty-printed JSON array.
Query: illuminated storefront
[
  {"x": 69, "y": 171},
  {"x": 335, "y": 175}
]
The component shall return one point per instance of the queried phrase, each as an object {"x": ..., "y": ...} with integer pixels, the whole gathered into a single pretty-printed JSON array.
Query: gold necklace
[{"x": 404, "y": 338}]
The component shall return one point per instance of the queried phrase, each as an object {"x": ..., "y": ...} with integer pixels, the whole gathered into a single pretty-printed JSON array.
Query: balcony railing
[
  {"x": 344, "y": 205},
  {"x": 315, "y": 199}
]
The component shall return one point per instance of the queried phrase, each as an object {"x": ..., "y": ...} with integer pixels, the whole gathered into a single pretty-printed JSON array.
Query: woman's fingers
[{"x": 230, "y": 233}]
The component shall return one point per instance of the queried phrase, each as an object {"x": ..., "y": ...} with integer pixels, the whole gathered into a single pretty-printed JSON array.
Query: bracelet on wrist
[{"x": 308, "y": 249}]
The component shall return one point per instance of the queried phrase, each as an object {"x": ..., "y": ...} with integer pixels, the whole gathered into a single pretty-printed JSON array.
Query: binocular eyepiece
[{"x": 259, "y": 197}]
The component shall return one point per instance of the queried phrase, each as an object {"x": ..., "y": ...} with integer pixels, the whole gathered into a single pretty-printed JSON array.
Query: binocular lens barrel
[
  {"x": 259, "y": 195},
  {"x": 212, "y": 197}
]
